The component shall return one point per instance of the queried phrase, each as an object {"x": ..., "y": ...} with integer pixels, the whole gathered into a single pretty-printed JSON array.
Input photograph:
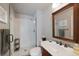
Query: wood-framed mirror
[{"x": 63, "y": 23}]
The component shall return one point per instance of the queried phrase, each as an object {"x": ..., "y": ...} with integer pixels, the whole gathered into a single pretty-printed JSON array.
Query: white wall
[
  {"x": 44, "y": 24},
  {"x": 47, "y": 22}
]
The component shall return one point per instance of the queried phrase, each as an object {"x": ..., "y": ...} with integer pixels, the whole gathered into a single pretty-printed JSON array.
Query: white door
[{"x": 28, "y": 34}]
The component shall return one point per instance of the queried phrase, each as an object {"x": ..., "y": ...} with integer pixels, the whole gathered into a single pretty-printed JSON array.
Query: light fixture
[{"x": 54, "y": 5}]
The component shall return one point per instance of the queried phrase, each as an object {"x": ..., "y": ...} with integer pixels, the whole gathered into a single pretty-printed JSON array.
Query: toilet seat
[{"x": 35, "y": 51}]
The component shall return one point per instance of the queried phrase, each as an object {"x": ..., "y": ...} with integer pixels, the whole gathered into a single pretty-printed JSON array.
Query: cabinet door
[{"x": 45, "y": 53}]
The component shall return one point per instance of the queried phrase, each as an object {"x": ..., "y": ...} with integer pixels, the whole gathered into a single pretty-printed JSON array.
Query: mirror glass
[{"x": 63, "y": 23}]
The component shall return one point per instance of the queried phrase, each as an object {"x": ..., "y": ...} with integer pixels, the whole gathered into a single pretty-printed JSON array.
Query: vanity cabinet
[
  {"x": 65, "y": 23},
  {"x": 45, "y": 52}
]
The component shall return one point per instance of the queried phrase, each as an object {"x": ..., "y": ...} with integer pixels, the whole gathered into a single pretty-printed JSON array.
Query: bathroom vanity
[
  {"x": 53, "y": 49},
  {"x": 45, "y": 52},
  {"x": 66, "y": 23}
]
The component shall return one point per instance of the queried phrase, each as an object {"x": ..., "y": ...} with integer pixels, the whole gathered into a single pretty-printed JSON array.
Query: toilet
[{"x": 36, "y": 51}]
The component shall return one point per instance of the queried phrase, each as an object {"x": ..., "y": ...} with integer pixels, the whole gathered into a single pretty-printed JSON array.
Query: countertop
[{"x": 57, "y": 50}]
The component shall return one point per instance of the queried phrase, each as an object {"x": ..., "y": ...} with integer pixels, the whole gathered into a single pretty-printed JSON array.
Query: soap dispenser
[{"x": 43, "y": 38}]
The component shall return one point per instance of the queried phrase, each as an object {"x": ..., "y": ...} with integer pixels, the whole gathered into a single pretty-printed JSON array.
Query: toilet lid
[{"x": 36, "y": 51}]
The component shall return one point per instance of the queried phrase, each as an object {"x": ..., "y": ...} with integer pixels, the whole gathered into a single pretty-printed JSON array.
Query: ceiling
[{"x": 29, "y": 8}]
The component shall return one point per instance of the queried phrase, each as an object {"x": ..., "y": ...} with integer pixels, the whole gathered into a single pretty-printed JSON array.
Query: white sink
[{"x": 57, "y": 50}]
